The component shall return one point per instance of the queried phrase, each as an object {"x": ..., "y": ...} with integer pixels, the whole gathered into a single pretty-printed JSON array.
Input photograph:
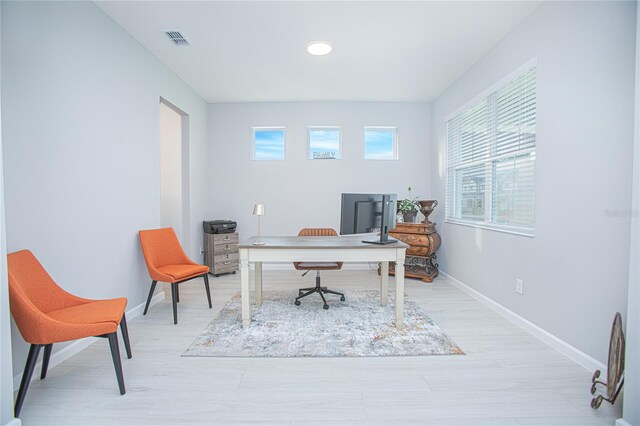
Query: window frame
[
  {"x": 255, "y": 129},
  {"x": 490, "y": 163},
  {"x": 312, "y": 128},
  {"x": 396, "y": 154}
]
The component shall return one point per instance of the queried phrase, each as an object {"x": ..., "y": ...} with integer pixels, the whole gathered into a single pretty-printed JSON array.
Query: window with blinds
[{"x": 491, "y": 153}]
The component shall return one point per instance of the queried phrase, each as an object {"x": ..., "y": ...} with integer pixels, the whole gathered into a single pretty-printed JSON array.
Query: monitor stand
[
  {"x": 384, "y": 239},
  {"x": 384, "y": 229},
  {"x": 388, "y": 241}
]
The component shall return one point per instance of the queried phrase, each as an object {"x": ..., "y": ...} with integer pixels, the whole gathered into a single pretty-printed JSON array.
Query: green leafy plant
[{"x": 409, "y": 204}]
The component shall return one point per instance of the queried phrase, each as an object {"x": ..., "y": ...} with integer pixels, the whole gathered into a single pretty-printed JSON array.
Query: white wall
[
  {"x": 300, "y": 193},
  {"x": 632, "y": 359},
  {"x": 81, "y": 144},
  {"x": 171, "y": 169},
  {"x": 6, "y": 367},
  {"x": 576, "y": 267}
]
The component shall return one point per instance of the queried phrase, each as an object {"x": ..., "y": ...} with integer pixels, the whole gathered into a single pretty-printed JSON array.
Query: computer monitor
[{"x": 364, "y": 213}]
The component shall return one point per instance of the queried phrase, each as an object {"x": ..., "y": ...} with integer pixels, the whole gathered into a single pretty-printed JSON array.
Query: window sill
[{"x": 512, "y": 230}]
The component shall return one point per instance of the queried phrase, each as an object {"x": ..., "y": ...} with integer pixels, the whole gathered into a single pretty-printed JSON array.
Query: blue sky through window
[
  {"x": 269, "y": 144},
  {"x": 379, "y": 144},
  {"x": 324, "y": 143}
]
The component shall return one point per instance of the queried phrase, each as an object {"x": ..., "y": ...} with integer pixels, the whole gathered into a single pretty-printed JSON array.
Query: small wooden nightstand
[
  {"x": 222, "y": 253},
  {"x": 424, "y": 241}
]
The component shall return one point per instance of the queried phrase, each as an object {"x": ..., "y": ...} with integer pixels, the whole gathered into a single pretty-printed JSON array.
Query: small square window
[
  {"x": 324, "y": 143},
  {"x": 268, "y": 143},
  {"x": 380, "y": 143}
]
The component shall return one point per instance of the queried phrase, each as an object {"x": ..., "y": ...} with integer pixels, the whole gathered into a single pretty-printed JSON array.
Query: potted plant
[{"x": 409, "y": 208}]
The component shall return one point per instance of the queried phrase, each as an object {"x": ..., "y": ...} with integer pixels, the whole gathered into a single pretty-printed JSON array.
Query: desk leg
[
  {"x": 244, "y": 287},
  {"x": 258, "y": 266},
  {"x": 384, "y": 283},
  {"x": 400, "y": 289}
]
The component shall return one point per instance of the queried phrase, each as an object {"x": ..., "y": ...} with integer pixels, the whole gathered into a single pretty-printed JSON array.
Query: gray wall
[
  {"x": 6, "y": 369},
  {"x": 300, "y": 193},
  {"x": 80, "y": 107},
  {"x": 632, "y": 360},
  {"x": 575, "y": 269}
]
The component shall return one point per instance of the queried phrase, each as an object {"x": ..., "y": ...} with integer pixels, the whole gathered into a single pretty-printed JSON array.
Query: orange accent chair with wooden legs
[
  {"x": 167, "y": 262},
  {"x": 46, "y": 314}
]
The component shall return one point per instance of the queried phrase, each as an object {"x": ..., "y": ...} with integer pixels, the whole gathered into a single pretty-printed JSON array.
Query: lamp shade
[{"x": 258, "y": 209}]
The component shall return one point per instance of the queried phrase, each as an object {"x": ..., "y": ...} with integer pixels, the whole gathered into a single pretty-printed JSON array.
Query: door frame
[{"x": 185, "y": 203}]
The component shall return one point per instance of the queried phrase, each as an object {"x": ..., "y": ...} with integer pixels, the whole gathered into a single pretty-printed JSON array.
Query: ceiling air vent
[{"x": 177, "y": 38}]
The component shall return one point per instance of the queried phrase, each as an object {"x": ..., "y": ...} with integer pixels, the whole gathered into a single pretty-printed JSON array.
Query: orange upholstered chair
[
  {"x": 167, "y": 262},
  {"x": 46, "y": 314},
  {"x": 317, "y": 266}
]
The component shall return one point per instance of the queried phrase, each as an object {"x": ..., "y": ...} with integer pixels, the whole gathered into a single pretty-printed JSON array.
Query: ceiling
[{"x": 255, "y": 51}]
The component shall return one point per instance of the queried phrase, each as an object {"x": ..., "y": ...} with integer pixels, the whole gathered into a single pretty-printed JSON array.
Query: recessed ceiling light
[{"x": 319, "y": 48}]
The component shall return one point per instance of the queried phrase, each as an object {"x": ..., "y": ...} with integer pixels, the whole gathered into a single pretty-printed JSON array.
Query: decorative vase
[
  {"x": 409, "y": 216},
  {"x": 426, "y": 208}
]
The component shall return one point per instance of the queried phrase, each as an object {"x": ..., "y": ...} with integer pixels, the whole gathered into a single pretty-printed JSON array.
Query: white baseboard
[
  {"x": 561, "y": 346},
  {"x": 622, "y": 422},
  {"x": 137, "y": 310},
  {"x": 13, "y": 422},
  {"x": 67, "y": 352}
]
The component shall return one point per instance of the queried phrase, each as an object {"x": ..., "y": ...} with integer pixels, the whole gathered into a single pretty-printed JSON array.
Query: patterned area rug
[{"x": 358, "y": 327}]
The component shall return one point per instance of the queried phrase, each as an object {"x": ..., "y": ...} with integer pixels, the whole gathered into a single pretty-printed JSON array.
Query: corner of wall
[
  {"x": 6, "y": 364},
  {"x": 631, "y": 408}
]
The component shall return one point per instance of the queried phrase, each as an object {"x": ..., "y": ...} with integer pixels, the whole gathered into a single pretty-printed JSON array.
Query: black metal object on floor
[{"x": 304, "y": 292}]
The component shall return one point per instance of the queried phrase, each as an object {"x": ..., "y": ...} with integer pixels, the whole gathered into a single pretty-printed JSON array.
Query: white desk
[{"x": 321, "y": 249}]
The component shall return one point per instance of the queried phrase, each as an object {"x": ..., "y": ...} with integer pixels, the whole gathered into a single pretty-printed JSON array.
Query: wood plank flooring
[{"x": 507, "y": 377}]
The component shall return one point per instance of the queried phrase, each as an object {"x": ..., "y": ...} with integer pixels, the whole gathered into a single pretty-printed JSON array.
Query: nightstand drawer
[
  {"x": 412, "y": 239},
  {"x": 222, "y": 249},
  {"x": 224, "y": 266},
  {"x": 225, "y": 238},
  {"x": 418, "y": 251},
  {"x": 235, "y": 257},
  {"x": 412, "y": 228}
]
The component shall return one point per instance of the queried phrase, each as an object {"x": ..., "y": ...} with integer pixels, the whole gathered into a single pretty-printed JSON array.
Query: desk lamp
[{"x": 258, "y": 210}]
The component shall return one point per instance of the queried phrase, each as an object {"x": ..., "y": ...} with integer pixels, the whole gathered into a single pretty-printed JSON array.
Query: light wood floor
[{"x": 508, "y": 377}]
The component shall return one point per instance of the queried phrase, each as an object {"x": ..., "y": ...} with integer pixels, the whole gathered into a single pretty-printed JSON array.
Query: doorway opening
[{"x": 174, "y": 171}]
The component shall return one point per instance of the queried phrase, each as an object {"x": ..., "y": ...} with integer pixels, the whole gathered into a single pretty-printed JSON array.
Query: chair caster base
[{"x": 304, "y": 292}]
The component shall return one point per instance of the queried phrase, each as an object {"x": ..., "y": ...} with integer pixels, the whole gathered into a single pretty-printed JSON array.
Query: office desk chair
[{"x": 317, "y": 266}]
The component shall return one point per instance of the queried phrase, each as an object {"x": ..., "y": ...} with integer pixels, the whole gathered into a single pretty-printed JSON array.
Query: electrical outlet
[
  {"x": 519, "y": 286},
  {"x": 201, "y": 250}
]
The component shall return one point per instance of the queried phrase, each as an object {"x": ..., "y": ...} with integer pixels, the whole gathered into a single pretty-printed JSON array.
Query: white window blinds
[{"x": 491, "y": 150}]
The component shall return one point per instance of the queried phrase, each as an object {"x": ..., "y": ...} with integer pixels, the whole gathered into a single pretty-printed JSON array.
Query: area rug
[{"x": 358, "y": 327}]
